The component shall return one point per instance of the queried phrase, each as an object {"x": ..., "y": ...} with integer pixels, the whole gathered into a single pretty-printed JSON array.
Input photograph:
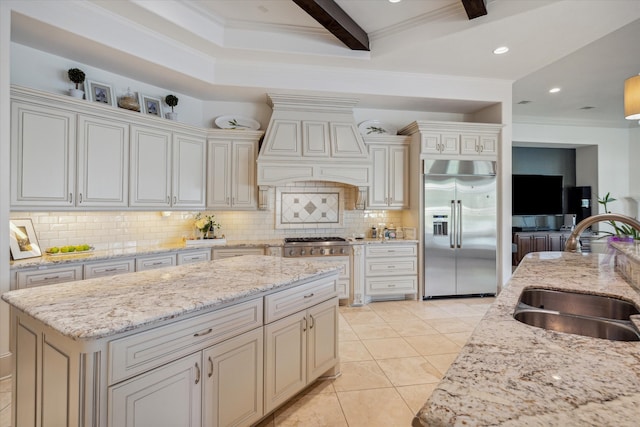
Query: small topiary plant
[
  {"x": 171, "y": 101},
  {"x": 77, "y": 76}
]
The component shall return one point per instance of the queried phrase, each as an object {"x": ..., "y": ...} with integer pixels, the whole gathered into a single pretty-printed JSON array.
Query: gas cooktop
[{"x": 313, "y": 239}]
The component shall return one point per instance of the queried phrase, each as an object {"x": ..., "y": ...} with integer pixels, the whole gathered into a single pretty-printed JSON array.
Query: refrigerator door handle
[
  {"x": 459, "y": 227},
  {"x": 453, "y": 231}
]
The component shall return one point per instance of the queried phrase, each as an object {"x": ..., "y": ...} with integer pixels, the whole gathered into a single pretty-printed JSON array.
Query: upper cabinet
[
  {"x": 232, "y": 169},
  {"x": 68, "y": 153},
  {"x": 43, "y": 149},
  {"x": 456, "y": 139},
  {"x": 167, "y": 169},
  {"x": 390, "y": 176}
]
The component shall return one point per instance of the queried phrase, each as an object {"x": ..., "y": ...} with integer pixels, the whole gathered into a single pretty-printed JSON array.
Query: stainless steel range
[{"x": 315, "y": 247}]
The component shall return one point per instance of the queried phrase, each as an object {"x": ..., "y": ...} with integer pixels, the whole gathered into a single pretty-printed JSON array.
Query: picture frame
[
  {"x": 100, "y": 92},
  {"x": 22, "y": 239},
  {"x": 151, "y": 105}
]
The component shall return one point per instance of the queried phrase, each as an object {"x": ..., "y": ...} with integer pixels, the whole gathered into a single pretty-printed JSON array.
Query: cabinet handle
[
  {"x": 313, "y": 322},
  {"x": 168, "y": 200},
  {"x": 391, "y": 266},
  {"x": 80, "y": 198},
  {"x": 157, "y": 263},
  {"x": 210, "y": 367},
  {"x": 304, "y": 328},
  {"x": 391, "y": 285},
  {"x": 51, "y": 277},
  {"x": 197, "y": 373},
  {"x": 71, "y": 198},
  {"x": 309, "y": 296},
  {"x": 175, "y": 200},
  {"x": 110, "y": 269},
  {"x": 227, "y": 201},
  {"x": 201, "y": 334}
]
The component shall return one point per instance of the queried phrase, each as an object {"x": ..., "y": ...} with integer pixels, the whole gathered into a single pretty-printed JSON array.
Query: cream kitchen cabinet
[
  {"x": 391, "y": 270},
  {"x": 231, "y": 170},
  {"x": 221, "y": 253},
  {"x": 47, "y": 276},
  {"x": 464, "y": 140},
  {"x": 167, "y": 169},
  {"x": 108, "y": 268},
  {"x": 390, "y": 178},
  {"x": 152, "y": 262},
  {"x": 301, "y": 339},
  {"x": 192, "y": 257},
  {"x": 62, "y": 159}
]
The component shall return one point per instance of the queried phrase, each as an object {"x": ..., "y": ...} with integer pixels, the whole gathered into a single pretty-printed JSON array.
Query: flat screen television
[{"x": 537, "y": 195}]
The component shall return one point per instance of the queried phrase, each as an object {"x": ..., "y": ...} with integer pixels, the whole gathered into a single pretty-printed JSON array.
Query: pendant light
[{"x": 632, "y": 98}]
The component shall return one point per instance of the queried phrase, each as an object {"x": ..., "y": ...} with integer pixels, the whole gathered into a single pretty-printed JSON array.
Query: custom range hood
[{"x": 312, "y": 139}]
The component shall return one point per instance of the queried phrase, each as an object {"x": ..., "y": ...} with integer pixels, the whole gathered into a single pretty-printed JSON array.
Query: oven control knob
[
  {"x": 291, "y": 252},
  {"x": 312, "y": 251},
  {"x": 323, "y": 251},
  {"x": 331, "y": 251},
  {"x": 302, "y": 252},
  {"x": 343, "y": 251}
]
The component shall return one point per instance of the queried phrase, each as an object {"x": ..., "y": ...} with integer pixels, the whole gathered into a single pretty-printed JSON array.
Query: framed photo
[
  {"x": 22, "y": 239},
  {"x": 151, "y": 105},
  {"x": 100, "y": 92}
]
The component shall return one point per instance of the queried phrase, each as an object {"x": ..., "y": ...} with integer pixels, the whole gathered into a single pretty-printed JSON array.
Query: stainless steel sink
[
  {"x": 579, "y": 325},
  {"x": 578, "y": 303},
  {"x": 577, "y": 313}
]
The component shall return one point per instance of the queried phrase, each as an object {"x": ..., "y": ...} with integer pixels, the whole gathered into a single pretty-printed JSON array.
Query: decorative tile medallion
[{"x": 308, "y": 207}]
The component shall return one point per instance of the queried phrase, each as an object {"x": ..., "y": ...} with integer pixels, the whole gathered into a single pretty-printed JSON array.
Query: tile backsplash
[{"x": 116, "y": 229}]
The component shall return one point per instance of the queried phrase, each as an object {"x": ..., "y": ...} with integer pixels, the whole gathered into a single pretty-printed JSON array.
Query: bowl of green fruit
[{"x": 69, "y": 249}]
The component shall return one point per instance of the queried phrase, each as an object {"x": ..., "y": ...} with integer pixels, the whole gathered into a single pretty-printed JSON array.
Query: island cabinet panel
[
  {"x": 298, "y": 349},
  {"x": 138, "y": 353},
  {"x": 233, "y": 387},
  {"x": 169, "y": 397},
  {"x": 25, "y": 382}
]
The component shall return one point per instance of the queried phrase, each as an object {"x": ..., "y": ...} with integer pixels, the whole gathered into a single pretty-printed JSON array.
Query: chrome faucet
[{"x": 573, "y": 244}]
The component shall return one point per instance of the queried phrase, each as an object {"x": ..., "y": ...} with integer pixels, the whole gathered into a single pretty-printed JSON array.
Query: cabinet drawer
[
  {"x": 104, "y": 269},
  {"x": 138, "y": 353},
  {"x": 343, "y": 288},
  {"x": 391, "y": 267},
  {"x": 228, "y": 253},
  {"x": 50, "y": 276},
  {"x": 284, "y": 303},
  {"x": 390, "y": 250},
  {"x": 391, "y": 286},
  {"x": 193, "y": 257},
  {"x": 150, "y": 263}
]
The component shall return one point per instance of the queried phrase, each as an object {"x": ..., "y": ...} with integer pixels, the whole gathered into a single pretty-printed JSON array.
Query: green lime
[{"x": 54, "y": 250}]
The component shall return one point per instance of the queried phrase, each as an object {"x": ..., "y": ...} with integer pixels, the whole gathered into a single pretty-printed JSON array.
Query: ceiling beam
[
  {"x": 474, "y": 8},
  {"x": 336, "y": 20}
]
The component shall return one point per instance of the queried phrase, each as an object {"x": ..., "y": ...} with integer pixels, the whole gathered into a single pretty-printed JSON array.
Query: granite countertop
[
  {"x": 97, "y": 308},
  {"x": 114, "y": 253},
  {"x": 510, "y": 373}
]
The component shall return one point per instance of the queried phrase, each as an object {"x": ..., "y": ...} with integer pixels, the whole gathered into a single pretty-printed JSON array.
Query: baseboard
[{"x": 6, "y": 363}]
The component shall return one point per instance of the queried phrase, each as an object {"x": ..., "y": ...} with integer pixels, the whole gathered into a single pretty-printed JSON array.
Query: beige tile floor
[{"x": 392, "y": 356}]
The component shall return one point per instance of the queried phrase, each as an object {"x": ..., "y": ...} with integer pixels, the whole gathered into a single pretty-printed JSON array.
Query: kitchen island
[
  {"x": 215, "y": 343},
  {"x": 510, "y": 373}
]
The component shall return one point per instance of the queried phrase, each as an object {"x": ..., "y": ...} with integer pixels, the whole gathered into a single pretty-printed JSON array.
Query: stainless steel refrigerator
[{"x": 460, "y": 214}]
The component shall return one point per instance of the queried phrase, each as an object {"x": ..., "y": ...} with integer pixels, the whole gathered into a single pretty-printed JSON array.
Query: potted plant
[
  {"x": 77, "y": 76},
  {"x": 621, "y": 232},
  {"x": 171, "y": 101}
]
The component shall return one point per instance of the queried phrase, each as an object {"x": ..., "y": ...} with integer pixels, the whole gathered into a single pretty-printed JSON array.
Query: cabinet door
[
  {"x": 43, "y": 142},
  {"x": 50, "y": 276},
  {"x": 219, "y": 174},
  {"x": 469, "y": 144},
  {"x": 243, "y": 184},
  {"x": 398, "y": 174},
  {"x": 285, "y": 357},
  {"x": 189, "y": 171},
  {"x": 450, "y": 143},
  {"x": 103, "y": 162},
  {"x": 169, "y": 396},
  {"x": 489, "y": 144},
  {"x": 378, "y": 191},
  {"x": 233, "y": 383},
  {"x": 150, "y": 167},
  {"x": 322, "y": 353}
]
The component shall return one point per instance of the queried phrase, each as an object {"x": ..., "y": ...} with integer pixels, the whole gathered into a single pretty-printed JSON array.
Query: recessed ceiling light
[
  {"x": 500, "y": 50},
  {"x": 395, "y": 1},
  {"x": 554, "y": 90}
]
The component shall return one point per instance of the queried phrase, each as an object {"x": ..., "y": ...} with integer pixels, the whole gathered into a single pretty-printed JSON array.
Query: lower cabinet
[
  {"x": 391, "y": 270},
  {"x": 527, "y": 242},
  {"x": 298, "y": 349},
  {"x": 47, "y": 276},
  {"x": 229, "y": 253},
  {"x": 220, "y": 386}
]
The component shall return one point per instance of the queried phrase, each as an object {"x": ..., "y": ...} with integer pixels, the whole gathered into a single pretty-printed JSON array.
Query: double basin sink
[{"x": 578, "y": 313}]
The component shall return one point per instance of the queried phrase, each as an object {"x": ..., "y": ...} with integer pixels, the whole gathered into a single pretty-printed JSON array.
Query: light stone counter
[
  {"x": 101, "y": 307},
  {"x": 115, "y": 253},
  {"x": 513, "y": 374}
]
